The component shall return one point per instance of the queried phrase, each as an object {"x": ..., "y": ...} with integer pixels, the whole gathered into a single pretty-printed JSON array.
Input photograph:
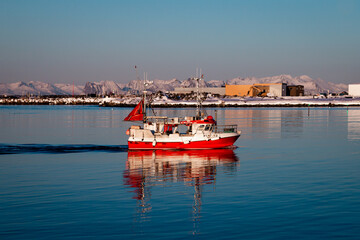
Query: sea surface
[{"x": 66, "y": 173}]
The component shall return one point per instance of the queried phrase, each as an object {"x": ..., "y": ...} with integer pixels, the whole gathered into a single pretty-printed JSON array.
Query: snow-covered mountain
[
  {"x": 39, "y": 88},
  {"x": 215, "y": 83},
  {"x": 103, "y": 88},
  {"x": 191, "y": 83},
  {"x": 311, "y": 86},
  {"x": 165, "y": 85},
  {"x": 134, "y": 86},
  {"x": 70, "y": 88}
]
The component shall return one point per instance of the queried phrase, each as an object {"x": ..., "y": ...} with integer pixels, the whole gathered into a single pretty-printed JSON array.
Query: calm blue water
[{"x": 294, "y": 176}]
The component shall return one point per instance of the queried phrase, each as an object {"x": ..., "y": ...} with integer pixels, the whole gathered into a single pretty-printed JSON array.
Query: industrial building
[
  {"x": 258, "y": 89},
  {"x": 354, "y": 90},
  {"x": 295, "y": 90}
]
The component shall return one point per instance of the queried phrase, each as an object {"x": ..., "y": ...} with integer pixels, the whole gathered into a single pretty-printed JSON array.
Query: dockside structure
[{"x": 254, "y": 90}]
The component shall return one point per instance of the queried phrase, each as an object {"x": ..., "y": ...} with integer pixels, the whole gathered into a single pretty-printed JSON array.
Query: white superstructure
[{"x": 354, "y": 90}]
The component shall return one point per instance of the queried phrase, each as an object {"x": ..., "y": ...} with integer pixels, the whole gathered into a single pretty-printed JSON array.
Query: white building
[
  {"x": 354, "y": 90},
  {"x": 277, "y": 90}
]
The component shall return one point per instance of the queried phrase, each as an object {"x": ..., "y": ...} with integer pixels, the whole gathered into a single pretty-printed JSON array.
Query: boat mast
[
  {"x": 144, "y": 97},
  {"x": 198, "y": 99}
]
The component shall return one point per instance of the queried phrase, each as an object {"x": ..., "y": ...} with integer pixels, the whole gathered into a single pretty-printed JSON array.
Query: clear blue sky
[{"x": 73, "y": 40}]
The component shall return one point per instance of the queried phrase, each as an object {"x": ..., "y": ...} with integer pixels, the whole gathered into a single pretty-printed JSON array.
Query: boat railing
[{"x": 225, "y": 129}]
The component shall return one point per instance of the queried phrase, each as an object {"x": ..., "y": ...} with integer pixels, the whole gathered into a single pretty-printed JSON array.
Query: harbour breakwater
[{"x": 307, "y": 101}]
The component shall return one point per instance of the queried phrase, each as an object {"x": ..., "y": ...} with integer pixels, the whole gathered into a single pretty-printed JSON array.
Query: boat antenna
[{"x": 137, "y": 74}]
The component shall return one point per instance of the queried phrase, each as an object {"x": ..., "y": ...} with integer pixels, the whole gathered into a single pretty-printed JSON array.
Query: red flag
[{"x": 137, "y": 113}]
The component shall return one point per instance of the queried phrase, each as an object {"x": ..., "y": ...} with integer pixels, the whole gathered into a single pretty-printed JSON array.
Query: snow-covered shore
[
  {"x": 163, "y": 101},
  {"x": 51, "y": 101}
]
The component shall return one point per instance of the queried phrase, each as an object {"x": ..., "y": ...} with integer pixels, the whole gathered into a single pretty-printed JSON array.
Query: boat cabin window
[
  {"x": 201, "y": 127},
  {"x": 207, "y": 127}
]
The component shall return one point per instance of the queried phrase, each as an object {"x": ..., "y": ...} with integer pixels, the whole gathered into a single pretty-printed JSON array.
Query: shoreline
[{"x": 209, "y": 103}]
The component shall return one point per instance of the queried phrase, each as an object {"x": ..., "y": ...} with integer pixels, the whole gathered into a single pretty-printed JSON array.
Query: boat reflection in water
[{"x": 150, "y": 168}]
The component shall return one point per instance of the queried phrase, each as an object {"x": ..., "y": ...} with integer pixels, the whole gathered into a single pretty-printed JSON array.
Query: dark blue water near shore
[
  {"x": 45, "y": 148},
  {"x": 65, "y": 172}
]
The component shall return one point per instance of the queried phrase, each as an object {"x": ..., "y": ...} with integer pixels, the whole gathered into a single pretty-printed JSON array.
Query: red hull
[{"x": 220, "y": 143}]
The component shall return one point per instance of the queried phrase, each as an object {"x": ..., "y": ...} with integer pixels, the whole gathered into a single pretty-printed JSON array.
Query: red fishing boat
[{"x": 195, "y": 132}]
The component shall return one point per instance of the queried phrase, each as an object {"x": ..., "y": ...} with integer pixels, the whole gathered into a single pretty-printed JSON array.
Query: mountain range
[
  {"x": 311, "y": 86},
  {"x": 39, "y": 88}
]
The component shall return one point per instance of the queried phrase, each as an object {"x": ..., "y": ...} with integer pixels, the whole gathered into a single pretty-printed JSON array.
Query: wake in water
[{"x": 45, "y": 148}]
